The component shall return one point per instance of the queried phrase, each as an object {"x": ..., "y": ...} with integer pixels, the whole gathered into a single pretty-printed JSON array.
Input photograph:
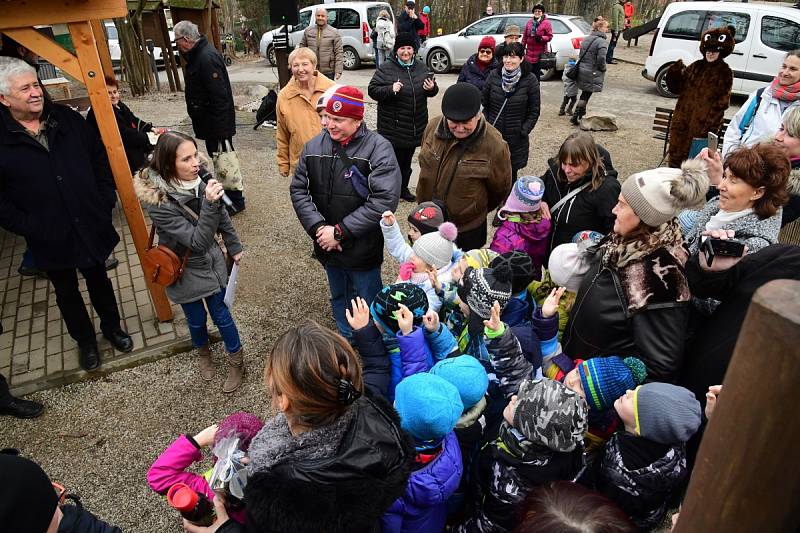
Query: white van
[
  {"x": 354, "y": 20},
  {"x": 764, "y": 33}
]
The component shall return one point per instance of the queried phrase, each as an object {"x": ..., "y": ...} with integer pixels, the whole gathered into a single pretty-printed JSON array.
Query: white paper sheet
[{"x": 230, "y": 290}]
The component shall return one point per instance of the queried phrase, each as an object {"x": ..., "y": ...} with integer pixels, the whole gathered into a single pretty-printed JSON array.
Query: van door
[
  {"x": 745, "y": 35},
  {"x": 777, "y": 34},
  {"x": 303, "y": 20}
]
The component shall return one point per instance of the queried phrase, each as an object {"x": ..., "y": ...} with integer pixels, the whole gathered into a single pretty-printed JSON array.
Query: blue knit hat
[
  {"x": 429, "y": 406},
  {"x": 386, "y": 304},
  {"x": 605, "y": 379},
  {"x": 466, "y": 374}
]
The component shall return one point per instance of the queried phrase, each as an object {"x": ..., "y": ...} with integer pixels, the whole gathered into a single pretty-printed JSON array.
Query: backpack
[
  {"x": 266, "y": 110},
  {"x": 386, "y": 40},
  {"x": 752, "y": 109}
]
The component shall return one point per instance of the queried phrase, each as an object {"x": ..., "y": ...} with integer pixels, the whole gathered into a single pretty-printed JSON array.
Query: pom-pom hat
[
  {"x": 428, "y": 405},
  {"x": 481, "y": 287},
  {"x": 605, "y": 379},
  {"x": 525, "y": 196},
  {"x": 521, "y": 266},
  {"x": 240, "y": 424},
  {"x": 387, "y": 302},
  {"x": 437, "y": 248},
  {"x": 346, "y": 101},
  {"x": 323, "y": 100},
  {"x": 466, "y": 374}
]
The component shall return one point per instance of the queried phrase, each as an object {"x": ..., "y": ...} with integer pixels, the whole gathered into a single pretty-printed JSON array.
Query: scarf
[
  {"x": 510, "y": 79},
  {"x": 483, "y": 65},
  {"x": 617, "y": 252},
  {"x": 186, "y": 188},
  {"x": 404, "y": 64},
  {"x": 723, "y": 218},
  {"x": 785, "y": 93}
]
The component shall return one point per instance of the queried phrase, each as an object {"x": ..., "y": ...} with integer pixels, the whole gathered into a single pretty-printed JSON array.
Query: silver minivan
[{"x": 354, "y": 20}]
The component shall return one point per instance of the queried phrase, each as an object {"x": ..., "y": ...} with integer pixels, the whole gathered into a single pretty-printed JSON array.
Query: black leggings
[
  {"x": 404, "y": 155},
  {"x": 585, "y": 95}
]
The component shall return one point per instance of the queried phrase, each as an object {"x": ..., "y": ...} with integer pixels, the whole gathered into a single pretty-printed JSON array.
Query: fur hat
[
  {"x": 428, "y": 405},
  {"x": 480, "y": 257},
  {"x": 27, "y": 498},
  {"x": 436, "y": 248},
  {"x": 466, "y": 374},
  {"x": 550, "y": 415},
  {"x": 720, "y": 40},
  {"x": 665, "y": 413},
  {"x": 605, "y": 379},
  {"x": 404, "y": 39},
  {"x": 346, "y": 101},
  {"x": 427, "y": 217},
  {"x": 387, "y": 302},
  {"x": 658, "y": 195},
  {"x": 525, "y": 197},
  {"x": 487, "y": 42},
  {"x": 242, "y": 424},
  {"x": 521, "y": 266},
  {"x": 461, "y": 101},
  {"x": 481, "y": 287}
]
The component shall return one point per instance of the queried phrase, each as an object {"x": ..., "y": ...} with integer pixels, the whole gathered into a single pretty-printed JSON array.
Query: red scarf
[{"x": 786, "y": 93}]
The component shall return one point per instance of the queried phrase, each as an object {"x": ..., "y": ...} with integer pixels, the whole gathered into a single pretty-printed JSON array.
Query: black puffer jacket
[
  {"x": 519, "y": 116},
  {"x": 209, "y": 100},
  {"x": 133, "y": 131},
  {"x": 588, "y": 210},
  {"x": 402, "y": 117},
  {"x": 472, "y": 73},
  {"x": 322, "y": 195}
]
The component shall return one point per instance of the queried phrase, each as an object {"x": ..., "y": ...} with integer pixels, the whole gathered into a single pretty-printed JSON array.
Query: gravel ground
[{"x": 99, "y": 437}]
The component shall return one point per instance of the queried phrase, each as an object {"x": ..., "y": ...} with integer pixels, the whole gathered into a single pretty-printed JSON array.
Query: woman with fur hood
[
  {"x": 634, "y": 299},
  {"x": 187, "y": 215},
  {"x": 788, "y": 140}
]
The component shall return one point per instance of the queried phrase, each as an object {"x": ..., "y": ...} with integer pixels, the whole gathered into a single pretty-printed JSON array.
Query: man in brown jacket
[
  {"x": 326, "y": 42},
  {"x": 464, "y": 164}
]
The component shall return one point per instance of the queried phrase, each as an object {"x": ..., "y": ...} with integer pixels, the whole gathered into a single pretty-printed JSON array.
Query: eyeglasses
[{"x": 486, "y": 51}]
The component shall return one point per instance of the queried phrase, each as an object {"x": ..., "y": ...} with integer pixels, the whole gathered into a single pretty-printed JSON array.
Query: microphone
[{"x": 205, "y": 175}]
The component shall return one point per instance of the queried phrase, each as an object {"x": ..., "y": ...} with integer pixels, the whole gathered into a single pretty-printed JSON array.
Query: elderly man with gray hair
[
  {"x": 326, "y": 42},
  {"x": 209, "y": 99},
  {"x": 56, "y": 190}
]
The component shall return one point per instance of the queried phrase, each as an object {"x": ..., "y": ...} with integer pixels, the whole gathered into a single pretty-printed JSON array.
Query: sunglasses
[{"x": 486, "y": 51}]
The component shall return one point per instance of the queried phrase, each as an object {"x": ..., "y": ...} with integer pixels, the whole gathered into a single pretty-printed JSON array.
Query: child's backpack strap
[{"x": 752, "y": 109}]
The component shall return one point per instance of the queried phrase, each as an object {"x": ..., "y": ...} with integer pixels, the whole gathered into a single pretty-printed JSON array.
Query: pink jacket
[
  {"x": 533, "y": 47},
  {"x": 170, "y": 468},
  {"x": 529, "y": 238}
]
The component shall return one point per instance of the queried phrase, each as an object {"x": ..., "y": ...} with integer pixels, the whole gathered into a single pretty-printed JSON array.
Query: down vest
[
  {"x": 209, "y": 99},
  {"x": 402, "y": 116},
  {"x": 323, "y": 194},
  {"x": 519, "y": 116},
  {"x": 592, "y": 66}
]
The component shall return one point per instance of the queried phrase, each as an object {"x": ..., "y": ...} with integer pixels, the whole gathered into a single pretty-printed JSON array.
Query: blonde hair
[
  {"x": 303, "y": 53},
  {"x": 791, "y": 122},
  {"x": 598, "y": 22},
  {"x": 383, "y": 13}
]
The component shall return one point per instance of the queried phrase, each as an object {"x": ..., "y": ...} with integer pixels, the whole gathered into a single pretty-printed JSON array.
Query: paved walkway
[{"x": 36, "y": 352}]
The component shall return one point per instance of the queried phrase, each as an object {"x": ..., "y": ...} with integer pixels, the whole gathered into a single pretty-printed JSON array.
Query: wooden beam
[
  {"x": 102, "y": 48},
  {"x": 745, "y": 477},
  {"x": 86, "y": 51},
  {"x": 23, "y": 13},
  {"x": 48, "y": 49}
]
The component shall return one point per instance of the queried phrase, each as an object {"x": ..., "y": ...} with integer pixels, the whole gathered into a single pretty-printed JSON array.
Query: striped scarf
[
  {"x": 785, "y": 93},
  {"x": 510, "y": 79}
]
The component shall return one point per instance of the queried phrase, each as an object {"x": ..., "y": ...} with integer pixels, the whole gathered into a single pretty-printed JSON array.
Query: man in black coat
[
  {"x": 409, "y": 22},
  {"x": 209, "y": 98},
  {"x": 56, "y": 190}
]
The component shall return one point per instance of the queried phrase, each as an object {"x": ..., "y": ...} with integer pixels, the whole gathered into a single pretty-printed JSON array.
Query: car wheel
[
  {"x": 351, "y": 59},
  {"x": 439, "y": 61},
  {"x": 548, "y": 74},
  {"x": 271, "y": 56},
  {"x": 661, "y": 83}
]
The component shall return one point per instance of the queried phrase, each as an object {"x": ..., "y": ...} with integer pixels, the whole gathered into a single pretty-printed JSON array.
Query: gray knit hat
[
  {"x": 481, "y": 287},
  {"x": 658, "y": 195},
  {"x": 551, "y": 415},
  {"x": 436, "y": 248},
  {"x": 666, "y": 413}
]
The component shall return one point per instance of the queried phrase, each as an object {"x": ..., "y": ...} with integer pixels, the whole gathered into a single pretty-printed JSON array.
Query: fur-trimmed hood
[{"x": 151, "y": 188}]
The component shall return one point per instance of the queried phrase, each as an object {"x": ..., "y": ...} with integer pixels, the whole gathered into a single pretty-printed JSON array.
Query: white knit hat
[
  {"x": 658, "y": 195},
  {"x": 567, "y": 266},
  {"x": 436, "y": 248}
]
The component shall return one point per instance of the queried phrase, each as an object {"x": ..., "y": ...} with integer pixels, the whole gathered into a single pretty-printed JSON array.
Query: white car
[
  {"x": 443, "y": 53},
  {"x": 764, "y": 33},
  {"x": 116, "y": 52},
  {"x": 354, "y": 20}
]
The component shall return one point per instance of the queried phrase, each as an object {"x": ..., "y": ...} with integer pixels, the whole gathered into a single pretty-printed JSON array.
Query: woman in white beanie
[{"x": 634, "y": 299}]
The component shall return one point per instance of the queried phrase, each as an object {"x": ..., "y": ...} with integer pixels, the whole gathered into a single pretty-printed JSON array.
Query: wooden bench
[{"x": 662, "y": 120}]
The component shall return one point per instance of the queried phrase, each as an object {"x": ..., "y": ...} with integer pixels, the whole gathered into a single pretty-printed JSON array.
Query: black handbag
[
  {"x": 547, "y": 60},
  {"x": 572, "y": 73}
]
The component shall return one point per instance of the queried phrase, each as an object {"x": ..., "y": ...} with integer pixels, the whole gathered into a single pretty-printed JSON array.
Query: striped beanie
[
  {"x": 346, "y": 101},
  {"x": 605, "y": 379}
]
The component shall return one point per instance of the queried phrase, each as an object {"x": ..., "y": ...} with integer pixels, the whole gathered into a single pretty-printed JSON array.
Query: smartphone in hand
[{"x": 713, "y": 142}]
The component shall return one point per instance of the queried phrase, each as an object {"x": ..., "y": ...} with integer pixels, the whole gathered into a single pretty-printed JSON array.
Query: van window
[
  {"x": 779, "y": 33},
  {"x": 518, "y": 21},
  {"x": 720, "y": 19},
  {"x": 374, "y": 11},
  {"x": 486, "y": 27},
  {"x": 304, "y": 19},
  {"x": 344, "y": 19},
  {"x": 685, "y": 25}
]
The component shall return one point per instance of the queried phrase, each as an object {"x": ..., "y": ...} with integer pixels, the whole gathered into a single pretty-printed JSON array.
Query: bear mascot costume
[{"x": 704, "y": 90}]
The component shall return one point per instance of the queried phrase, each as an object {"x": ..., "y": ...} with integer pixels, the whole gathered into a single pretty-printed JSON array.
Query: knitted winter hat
[
  {"x": 526, "y": 195},
  {"x": 427, "y": 217},
  {"x": 428, "y": 405},
  {"x": 466, "y": 374},
  {"x": 436, "y": 248},
  {"x": 605, "y": 379},
  {"x": 658, "y": 195},
  {"x": 27, "y": 498},
  {"x": 521, "y": 266},
  {"x": 404, "y": 39},
  {"x": 241, "y": 424},
  {"x": 480, "y": 257},
  {"x": 550, "y": 415},
  {"x": 426, "y": 9},
  {"x": 665, "y": 413},
  {"x": 386, "y": 304},
  {"x": 323, "y": 100},
  {"x": 487, "y": 42},
  {"x": 346, "y": 101},
  {"x": 481, "y": 287},
  {"x": 461, "y": 101}
]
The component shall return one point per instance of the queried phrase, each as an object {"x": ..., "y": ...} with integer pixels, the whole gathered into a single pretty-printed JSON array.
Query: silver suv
[{"x": 354, "y": 20}]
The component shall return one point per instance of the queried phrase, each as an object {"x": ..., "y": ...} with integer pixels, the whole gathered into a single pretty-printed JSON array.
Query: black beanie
[
  {"x": 461, "y": 101},
  {"x": 27, "y": 498},
  {"x": 404, "y": 39},
  {"x": 521, "y": 266}
]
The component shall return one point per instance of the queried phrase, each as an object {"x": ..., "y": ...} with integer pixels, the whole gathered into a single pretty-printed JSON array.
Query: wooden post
[
  {"x": 86, "y": 51},
  {"x": 166, "y": 51},
  {"x": 98, "y": 28},
  {"x": 745, "y": 477},
  {"x": 47, "y": 48}
]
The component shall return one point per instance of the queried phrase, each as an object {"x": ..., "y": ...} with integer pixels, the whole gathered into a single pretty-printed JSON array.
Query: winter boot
[
  {"x": 572, "y": 100},
  {"x": 580, "y": 110},
  {"x": 206, "y": 365},
  {"x": 235, "y": 372},
  {"x": 562, "y": 109}
]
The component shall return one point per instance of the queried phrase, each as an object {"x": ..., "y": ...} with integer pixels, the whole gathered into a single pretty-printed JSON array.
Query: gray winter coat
[
  {"x": 756, "y": 233},
  {"x": 205, "y": 273},
  {"x": 592, "y": 67}
]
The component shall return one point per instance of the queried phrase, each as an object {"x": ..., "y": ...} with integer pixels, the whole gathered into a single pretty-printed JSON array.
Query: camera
[{"x": 722, "y": 247}]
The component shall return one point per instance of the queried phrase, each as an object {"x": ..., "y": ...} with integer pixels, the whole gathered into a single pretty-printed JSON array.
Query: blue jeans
[
  {"x": 346, "y": 285},
  {"x": 612, "y": 44},
  {"x": 196, "y": 318}
]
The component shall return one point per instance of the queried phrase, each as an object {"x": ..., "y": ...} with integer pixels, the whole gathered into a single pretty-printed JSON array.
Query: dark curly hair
[{"x": 762, "y": 166}]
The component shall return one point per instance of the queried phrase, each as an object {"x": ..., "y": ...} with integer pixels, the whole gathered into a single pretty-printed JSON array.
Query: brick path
[{"x": 36, "y": 352}]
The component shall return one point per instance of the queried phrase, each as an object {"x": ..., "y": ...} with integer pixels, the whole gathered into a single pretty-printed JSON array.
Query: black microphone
[{"x": 205, "y": 175}]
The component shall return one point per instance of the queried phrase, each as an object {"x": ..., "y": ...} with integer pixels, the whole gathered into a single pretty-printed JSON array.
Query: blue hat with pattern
[
  {"x": 605, "y": 379},
  {"x": 386, "y": 304}
]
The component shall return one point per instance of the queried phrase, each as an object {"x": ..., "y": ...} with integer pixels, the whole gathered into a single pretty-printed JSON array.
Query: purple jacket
[
  {"x": 170, "y": 468},
  {"x": 529, "y": 238},
  {"x": 423, "y": 507},
  {"x": 415, "y": 355},
  {"x": 533, "y": 46}
]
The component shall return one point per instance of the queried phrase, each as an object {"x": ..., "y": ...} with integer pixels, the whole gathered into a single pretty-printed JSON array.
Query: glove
[
  {"x": 538, "y": 39},
  {"x": 406, "y": 270}
]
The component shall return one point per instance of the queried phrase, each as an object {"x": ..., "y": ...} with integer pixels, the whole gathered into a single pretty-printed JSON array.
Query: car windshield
[
  {"x": 582, "y": 24},
  {"x": 112, "y": 32}
]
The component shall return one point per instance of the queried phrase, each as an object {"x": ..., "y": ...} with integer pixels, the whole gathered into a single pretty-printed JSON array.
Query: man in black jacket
[
  {"x": 209, "y": 99},
  {"x": 346, "y": 177},
  {"x": 56, "y": 190},
  {"x": 409, "y": 22}
]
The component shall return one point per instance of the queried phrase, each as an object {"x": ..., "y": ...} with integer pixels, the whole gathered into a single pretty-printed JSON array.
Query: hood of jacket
[
  {"x": 471, "y": 415},
  {"x": 201, "y": 43}
]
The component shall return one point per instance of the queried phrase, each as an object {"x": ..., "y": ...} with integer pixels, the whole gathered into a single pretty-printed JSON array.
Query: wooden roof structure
[{"x": 90, "y": 63}]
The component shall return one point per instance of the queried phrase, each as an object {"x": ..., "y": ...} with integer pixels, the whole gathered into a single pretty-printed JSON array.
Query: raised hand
[
  {"x": 359, "y": 317},
  {"x": 550, "y": 305},
  {"x": 431, "y": 321},
  {"x": 405, "y": 319},
  {"x": 388, "y": 218},
  {"x": 494, "y": 322}
]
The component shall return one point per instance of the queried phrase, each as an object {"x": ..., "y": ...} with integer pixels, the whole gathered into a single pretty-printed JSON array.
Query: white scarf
[
  {"x": 724, "y": 218},
  {"x": 188, "y": 186}
]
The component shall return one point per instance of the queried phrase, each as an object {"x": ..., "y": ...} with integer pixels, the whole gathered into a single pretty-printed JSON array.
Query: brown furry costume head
[{"x": 718, "y": 40}]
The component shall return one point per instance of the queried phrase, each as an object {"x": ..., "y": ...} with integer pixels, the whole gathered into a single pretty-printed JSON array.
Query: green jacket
[{"x": 617, "y": 17}]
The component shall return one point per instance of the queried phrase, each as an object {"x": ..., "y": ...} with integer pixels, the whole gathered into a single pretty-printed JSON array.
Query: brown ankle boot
[
  {"x": 205, "y": 362},
  {"x": 235, "y": 372}
]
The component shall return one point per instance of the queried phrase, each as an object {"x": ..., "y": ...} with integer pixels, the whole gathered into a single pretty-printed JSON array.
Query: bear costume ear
[{"x": 732, "y": 30}]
